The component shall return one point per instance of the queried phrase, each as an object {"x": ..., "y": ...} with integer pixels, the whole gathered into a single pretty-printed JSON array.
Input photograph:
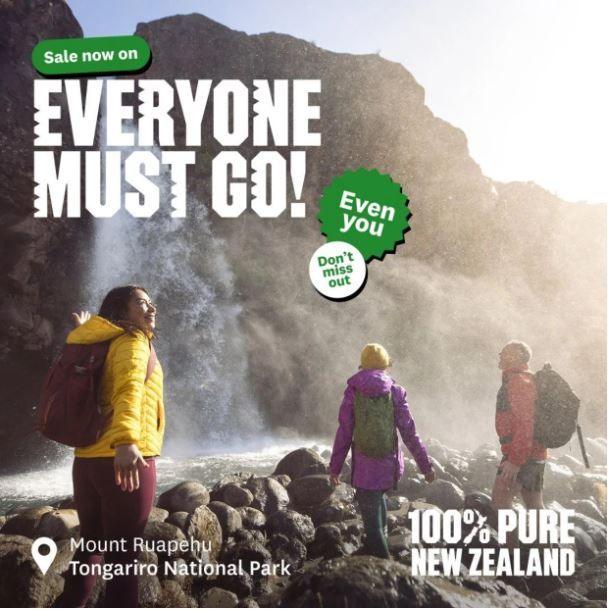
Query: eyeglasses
[{"x": 142, "y": 301}]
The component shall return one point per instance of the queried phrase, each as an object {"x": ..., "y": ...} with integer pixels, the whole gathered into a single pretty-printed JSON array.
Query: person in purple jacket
[{"x": 373, "y": 408}]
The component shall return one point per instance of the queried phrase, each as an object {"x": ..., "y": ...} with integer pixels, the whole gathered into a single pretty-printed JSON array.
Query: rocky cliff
[{"x": 484, "y": 262}]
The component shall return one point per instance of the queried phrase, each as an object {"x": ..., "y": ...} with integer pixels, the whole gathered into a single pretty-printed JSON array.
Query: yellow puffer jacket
[{"x": 138, "y": 412}]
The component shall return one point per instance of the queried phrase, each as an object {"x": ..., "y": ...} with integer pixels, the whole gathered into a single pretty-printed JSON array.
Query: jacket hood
[
  {"x": 96, "y": 330},
  {"x": 371, "y": 382}
]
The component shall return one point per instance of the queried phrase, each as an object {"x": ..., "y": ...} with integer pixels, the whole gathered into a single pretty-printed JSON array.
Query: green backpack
[{"x": 375, "y": 434}]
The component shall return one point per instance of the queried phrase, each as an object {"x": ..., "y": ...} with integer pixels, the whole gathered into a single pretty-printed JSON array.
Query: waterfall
[{"x": 200, "y": 344}]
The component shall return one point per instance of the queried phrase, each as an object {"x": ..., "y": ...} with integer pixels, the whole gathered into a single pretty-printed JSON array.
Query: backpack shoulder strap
[{"x": 151, "y": 363}]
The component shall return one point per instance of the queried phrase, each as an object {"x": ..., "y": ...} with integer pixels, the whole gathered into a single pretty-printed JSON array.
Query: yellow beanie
[{"x": 375, "y": 356}]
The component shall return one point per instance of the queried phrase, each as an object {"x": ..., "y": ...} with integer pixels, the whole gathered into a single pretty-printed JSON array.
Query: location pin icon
[{"x": 44, "y": 561}]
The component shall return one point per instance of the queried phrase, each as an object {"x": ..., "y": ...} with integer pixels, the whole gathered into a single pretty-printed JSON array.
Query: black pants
[{"x": 373, "y": 512}]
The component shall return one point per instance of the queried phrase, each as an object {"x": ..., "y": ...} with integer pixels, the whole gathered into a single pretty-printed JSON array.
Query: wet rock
[
  {"x": 25, "y": 522},
  {"x": 21, "y": 581},
  {"x": 204, "y": 526},
  {"x": 589, "y": 579},
  {"x": 564, "y": 597},
  {"x": 328, "y": 543},
  {"x": 157, "y": 530},
  {"x": 587, "y": 507},
  {"x": 233, "y": 495},
  {"x": 218, "y": 597},
  {"x": 246, "y": 552},
  {"x": 159, "y": 514},
  {"x": 252, "y": 518},
  {"x": 58, "y": 524},
  {"x": 399, "y": 539},
  {"x": 365, "y": 581},
  {"x": 395, "y": 502},
  {"x": 481, "y": 502},
  {"x": 269, "y": 495},
  {"x": 596, "y": 530},
  {"x": 240, "y": 583},
  {"x": 585, "y": 485},
  {"x": 291, "y": 550},
  {"x": 333, "y": 510},
  {"x": 150, "y": 590},
  {"x": 584, "y": 545},
  {"x": 230, "y": 520},
  {"x": 292, "y": 524},
  {"x": 277, "y": 496},
  {"x": 445, "y": 495},
  {"x": 248, "y": 602},
  {"x": 184, "y": 497},
  {"x": 301, "y": 462},
  {"x": 308, "y": 492},
  {"x": 282, "y": 479},
  {"x": 179, "y": 519},
  {"x": 173, "y": 595}
]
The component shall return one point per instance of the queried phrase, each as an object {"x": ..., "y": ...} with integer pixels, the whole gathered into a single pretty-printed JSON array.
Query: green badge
[
  {"x": 100, "y": 55},
  {"x": 366, "y": 209}
]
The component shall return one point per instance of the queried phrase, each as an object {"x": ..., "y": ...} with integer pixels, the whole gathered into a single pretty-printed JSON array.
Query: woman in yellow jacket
[{"x": 115, "y": 478}]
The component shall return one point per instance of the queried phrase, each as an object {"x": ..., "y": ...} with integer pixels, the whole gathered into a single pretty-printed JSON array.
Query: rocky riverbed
[{"x": 296, "y": 517}]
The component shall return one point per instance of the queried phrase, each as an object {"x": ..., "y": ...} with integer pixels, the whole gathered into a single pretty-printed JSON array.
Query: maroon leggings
[{"x": 108, "y": 513}]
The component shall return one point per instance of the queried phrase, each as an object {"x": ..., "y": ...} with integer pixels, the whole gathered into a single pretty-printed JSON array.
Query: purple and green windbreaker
[{"x": 372, "y": 473}]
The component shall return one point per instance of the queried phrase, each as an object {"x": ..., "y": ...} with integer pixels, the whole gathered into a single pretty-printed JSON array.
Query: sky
[{"x": 526, "y": 80}]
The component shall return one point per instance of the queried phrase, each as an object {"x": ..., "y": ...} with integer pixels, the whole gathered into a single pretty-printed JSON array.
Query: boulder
[
  {"x": 59, "y": 524},
  {"x": 187, "y": 496},
  {"x": 564, "y": 597},
  {"x": 179, "y": 519},
  {"x": 218, "y": 597},
  {"x": 445, "y": 494},
  {"x": 301, "y": 462},
  {"x": 252, "y": 518},
  {"x": 308, "y": 492},
  {"x": 481, "y": 502},
  {"x": 365, "y": 581},
  {"x": 291, "y": 524},
  {"x": 269, "y": 495},
  {"x": 157, "y": 513},
  {"x": 588, "y": 507},
  {"x": 328, "y": 543},
  {"x": 229, "y": 518},
  {"x": 233, "y": 495},
  {"x": 25, "y": 522},
  {"x": 246, "y": 552},
  {"x": 289, "y": 549},
  {"x": 22, "y": 584},
  {"x": 157, "y": 530},
  {"x": 558, "y": 482},
  {"x": 333, "y": 510},
  {"x": 173, "y": 595},
  {"x": 282, "y": 479},
  {"x": 204, "y": 526}
]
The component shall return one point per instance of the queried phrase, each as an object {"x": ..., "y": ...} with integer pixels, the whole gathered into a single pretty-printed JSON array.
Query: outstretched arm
[
  {"x": 407, "y": 429},
  {"x": 344, "y": 435}
]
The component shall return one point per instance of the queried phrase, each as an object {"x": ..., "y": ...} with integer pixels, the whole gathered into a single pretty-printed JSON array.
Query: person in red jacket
[{"x": 523, "y": 462}]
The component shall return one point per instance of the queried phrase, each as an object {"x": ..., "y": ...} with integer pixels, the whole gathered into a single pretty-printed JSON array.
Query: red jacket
[{"x": 515, "y": 410}]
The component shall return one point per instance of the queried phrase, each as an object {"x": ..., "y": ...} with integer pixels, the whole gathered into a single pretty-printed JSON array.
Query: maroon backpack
[{"x": 69, "y": 412}]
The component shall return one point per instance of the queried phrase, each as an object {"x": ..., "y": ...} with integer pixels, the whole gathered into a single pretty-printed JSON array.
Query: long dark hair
[{"x": 115, "y": 304}]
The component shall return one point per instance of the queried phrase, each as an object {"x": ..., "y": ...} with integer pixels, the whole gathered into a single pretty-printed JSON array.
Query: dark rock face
[
  {"x": 363, "y": 581},
  {"x": 35, "y": 253}
]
